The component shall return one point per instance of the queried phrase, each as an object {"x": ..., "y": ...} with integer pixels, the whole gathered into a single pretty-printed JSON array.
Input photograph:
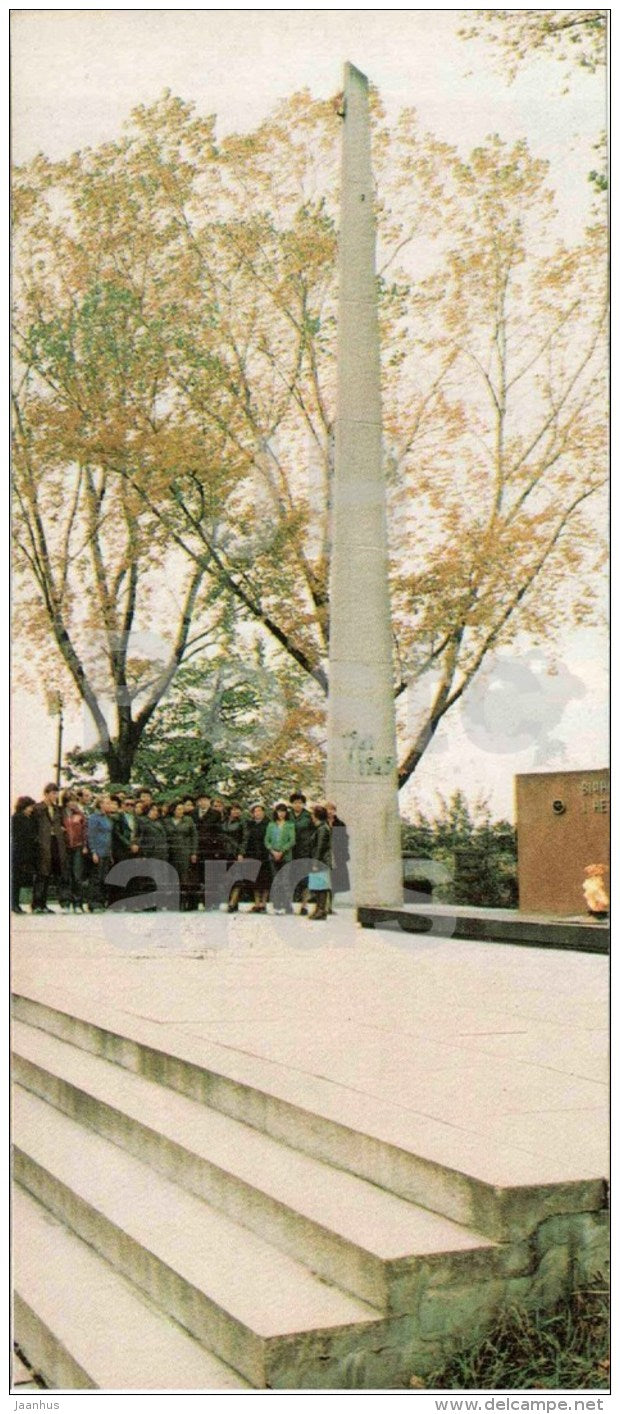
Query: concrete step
[
  {"x": 259, "y": 1310},
  {"x": 502, "y": 1194},
  {"x": 346, "y": 1229},
  {"x": 84, "y": 1326}
]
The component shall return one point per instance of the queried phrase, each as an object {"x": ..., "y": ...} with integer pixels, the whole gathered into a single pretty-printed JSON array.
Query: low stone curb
[{"x": 482, "y": 928}]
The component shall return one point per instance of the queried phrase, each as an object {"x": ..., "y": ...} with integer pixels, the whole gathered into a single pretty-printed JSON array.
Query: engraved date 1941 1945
[{"x": 362, "y": 756}]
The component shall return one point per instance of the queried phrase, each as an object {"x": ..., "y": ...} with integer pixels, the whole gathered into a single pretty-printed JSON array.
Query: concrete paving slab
[
  {"x": 419, "y": 1064},
  {"x": 569, "y": 1132},
  {"x": 337, "y": 1053},
  {"x": 380, "y": 1026},
  {"x": 580, "y": 1052}
]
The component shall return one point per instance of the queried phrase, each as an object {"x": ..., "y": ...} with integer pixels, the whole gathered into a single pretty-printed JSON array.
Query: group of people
[{"x": 214, "y": 853}]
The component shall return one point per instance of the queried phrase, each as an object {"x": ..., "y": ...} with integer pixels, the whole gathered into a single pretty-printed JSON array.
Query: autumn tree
[
  {"x": 90, "y": 367},
  {"x": 577, "y": 38},
  {"x": 572, "y": 36},
  {"x": 493, "y": 376},
  {"x": 516, "y": 322}
]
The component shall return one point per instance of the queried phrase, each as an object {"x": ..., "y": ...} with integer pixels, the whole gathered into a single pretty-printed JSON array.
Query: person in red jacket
[{"x": 75, "y": 827}]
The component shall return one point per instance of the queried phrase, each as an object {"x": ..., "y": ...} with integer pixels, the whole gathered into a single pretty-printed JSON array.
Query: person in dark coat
[
  {"x": 122, "y": 830},
  {"x": 232, "y": 832},
  {"x": 253, "y": 847},
  {"x": 151, "y": 835},
  {"x": 123, "y": 844},
  {"x": 87, "y": 803},
  {"x": 302, "y": 848},
  {"x": 152, "y": 841},
  {"x": 218, "y": 820},
  {"x": 51, "y": 850},
  {"x": 212, "y": 846},
  {"x": 193, "y": 890},
  {"x": 202, "y": 812},
  {"x": 182, "y": 849},
  {"x": 319, "y": 880},
  {"x": 202, "y": 819},
  {"x": 128, "y": 810},
  {"x": 341, "y": 882},
  {"x": 23, "y": 849}
]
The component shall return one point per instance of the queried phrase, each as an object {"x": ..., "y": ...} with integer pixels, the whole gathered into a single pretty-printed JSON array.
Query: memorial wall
[{"x": 562, "y": 827}]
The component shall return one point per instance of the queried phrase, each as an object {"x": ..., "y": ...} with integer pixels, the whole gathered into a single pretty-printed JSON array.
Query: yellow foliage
[{"x": 175, "y": 345}]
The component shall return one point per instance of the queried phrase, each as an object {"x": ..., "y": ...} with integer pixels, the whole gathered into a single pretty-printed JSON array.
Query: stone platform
[
  {"x": 262, "y": 1152},
  {"x": 492, "y": 925}
]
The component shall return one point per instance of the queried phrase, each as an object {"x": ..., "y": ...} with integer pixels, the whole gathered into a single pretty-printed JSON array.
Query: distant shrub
[{"x": 477, "y": 855}]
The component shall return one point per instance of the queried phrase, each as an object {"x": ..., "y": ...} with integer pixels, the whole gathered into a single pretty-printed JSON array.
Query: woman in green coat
[{"x": 279, "y": 841}]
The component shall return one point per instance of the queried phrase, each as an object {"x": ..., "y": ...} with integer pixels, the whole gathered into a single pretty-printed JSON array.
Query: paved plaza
[{"x": 490, "y": 1059}]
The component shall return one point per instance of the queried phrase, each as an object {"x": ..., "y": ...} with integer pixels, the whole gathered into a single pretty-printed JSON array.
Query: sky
[{"x": 76, "y": 74}]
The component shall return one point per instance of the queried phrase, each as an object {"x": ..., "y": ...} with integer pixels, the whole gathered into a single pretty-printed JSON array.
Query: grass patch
[{"x": 566, "y": 1348}]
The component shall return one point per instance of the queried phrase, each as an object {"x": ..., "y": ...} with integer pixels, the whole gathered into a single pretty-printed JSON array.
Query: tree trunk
[
  {"x": 415, "y": 753},
  {"x": 121, "y": 752}
]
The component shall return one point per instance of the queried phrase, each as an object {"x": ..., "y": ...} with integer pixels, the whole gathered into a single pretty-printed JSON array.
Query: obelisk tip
[{"x": 353, "y": 75}]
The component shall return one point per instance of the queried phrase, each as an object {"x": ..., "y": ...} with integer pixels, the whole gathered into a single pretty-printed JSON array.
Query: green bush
[{"x": 478, "y": 854}]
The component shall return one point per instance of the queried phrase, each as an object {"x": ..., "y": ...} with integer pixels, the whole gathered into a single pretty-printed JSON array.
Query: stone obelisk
[{"x": 361, "y": 764}]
